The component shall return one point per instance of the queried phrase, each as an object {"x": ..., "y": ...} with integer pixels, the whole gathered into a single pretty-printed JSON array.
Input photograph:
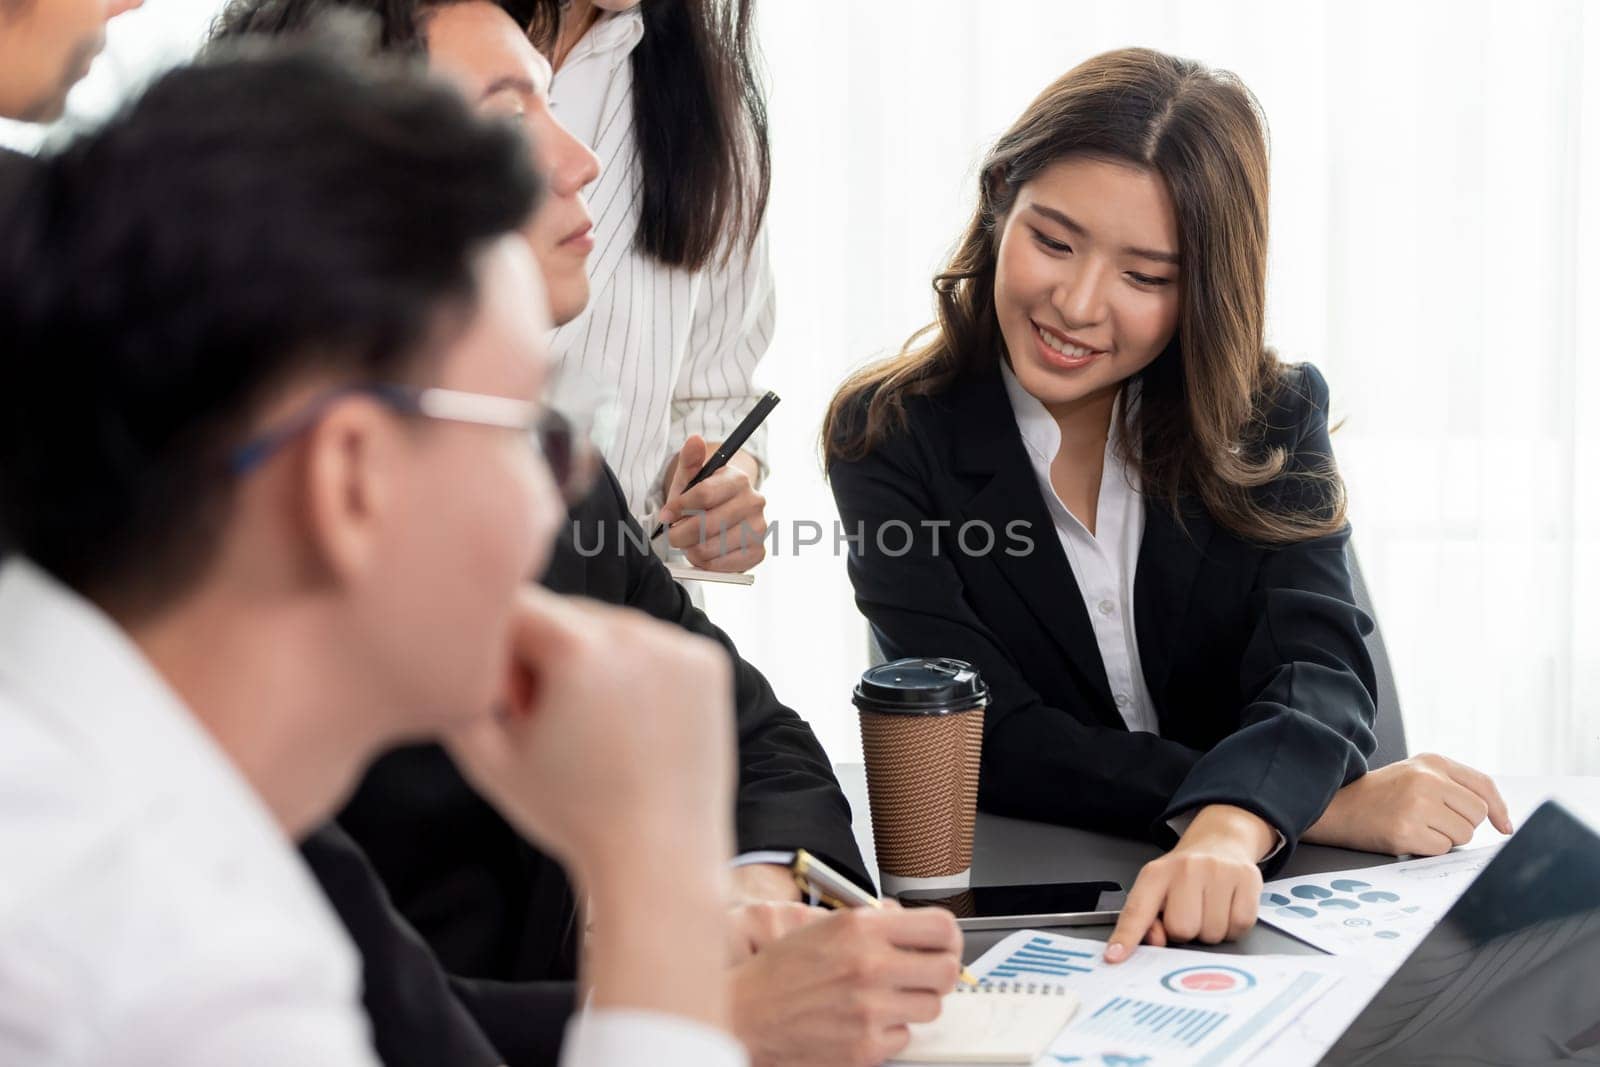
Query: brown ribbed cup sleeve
[{"x": 922, "y": 787}]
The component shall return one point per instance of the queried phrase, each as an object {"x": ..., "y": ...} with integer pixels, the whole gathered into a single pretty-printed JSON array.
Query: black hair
[
  {"x": 699, "y": 123},
  {"x": 251, "y": 219},
  {"x": 395, "y": 26}
]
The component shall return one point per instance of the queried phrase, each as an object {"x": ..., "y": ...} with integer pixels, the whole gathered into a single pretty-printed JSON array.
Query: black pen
[{"x": 725, "y": 451}]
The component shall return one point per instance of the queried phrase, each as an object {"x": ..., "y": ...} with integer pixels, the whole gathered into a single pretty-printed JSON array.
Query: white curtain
[{"x": 1436, "y": 215}]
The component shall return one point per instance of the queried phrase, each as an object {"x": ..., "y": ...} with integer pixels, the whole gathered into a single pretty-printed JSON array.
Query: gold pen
[{"x": 836, "y": 891}]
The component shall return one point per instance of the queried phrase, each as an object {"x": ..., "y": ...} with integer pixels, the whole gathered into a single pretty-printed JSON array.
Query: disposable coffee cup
[{"x": 922, "y": 735}]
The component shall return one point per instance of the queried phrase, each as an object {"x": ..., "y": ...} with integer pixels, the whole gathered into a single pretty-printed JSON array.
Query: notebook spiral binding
[{"x": 986, "y": 986}]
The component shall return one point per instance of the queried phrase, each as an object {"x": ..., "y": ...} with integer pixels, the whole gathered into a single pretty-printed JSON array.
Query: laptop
[{"x": 1511, "y": 975}]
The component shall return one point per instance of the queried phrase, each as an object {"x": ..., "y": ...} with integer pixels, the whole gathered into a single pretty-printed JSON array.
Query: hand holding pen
[
  {"x": 713, "y": 511},
  {"x": 844, "y": 987},
  {"x": 828, "y": 887}
]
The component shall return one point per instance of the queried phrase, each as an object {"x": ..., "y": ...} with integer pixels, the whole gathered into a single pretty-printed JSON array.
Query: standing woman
[
  {"x": 681, "y": 307},
  {"x": 1091, "y": 478}
]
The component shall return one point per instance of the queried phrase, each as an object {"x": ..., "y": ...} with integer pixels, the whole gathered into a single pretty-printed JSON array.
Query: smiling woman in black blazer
[{"x": 1092, "y": 479}]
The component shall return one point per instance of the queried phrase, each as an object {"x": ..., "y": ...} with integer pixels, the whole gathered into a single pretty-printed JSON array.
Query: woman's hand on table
[
  {"x": 1422, "y": 806},
  {"x": 1208, "y": 888}
]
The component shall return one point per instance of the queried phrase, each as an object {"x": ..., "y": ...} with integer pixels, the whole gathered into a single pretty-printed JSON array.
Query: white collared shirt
[
  {"x": 1104, "y": 562},
  {"x": 152, "y": 912},
  {"x": 677, "y": 349}
]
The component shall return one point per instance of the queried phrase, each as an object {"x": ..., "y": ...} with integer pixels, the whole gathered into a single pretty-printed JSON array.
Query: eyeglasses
[{"x": 561, "y": 438}]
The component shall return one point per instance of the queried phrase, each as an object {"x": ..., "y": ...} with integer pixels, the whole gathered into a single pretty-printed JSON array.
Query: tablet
[{"x": 1018, "y": 907}]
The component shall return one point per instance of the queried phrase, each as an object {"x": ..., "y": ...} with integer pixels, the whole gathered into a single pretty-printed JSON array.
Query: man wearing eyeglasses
[
  {"x": 809, "y": 989},
  {"x": 264, "y": 462}
]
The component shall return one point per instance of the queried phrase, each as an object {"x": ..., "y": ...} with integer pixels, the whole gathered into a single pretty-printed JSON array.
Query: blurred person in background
[{"x": 46, "y": 47}]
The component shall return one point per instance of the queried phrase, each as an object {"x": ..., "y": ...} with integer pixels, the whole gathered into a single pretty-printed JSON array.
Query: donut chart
[
  {"x": 1341, "y": 894},
  {"x": 1381, "y": 911},
  {"x": 1207, "y": 980},
  {"x": 1354, "y": 904}
]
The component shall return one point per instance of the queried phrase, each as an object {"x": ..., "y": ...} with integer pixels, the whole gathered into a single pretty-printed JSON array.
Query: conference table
[{"x": 1015, "y": 851}]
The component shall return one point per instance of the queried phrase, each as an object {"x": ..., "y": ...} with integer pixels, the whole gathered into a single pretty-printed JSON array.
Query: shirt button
[
  {"x": 1108, "y": 607},
  {"x": 1122, "y": 700}
]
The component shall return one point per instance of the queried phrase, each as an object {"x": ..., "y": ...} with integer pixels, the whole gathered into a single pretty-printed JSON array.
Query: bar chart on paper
[
  {"x": 1039, "y": 957},
  {"x": 1149, "y": 1023},
  {"x": 1161, "y": 1007}
]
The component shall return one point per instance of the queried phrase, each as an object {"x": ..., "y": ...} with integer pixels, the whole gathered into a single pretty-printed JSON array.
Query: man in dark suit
[
  {"x": 496, "y": 909},
  {"x": 45, "y": 48},
  {"x": 414, "y": 815}
]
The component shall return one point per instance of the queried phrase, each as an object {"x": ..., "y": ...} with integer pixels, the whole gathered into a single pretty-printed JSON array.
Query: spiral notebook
[{"x": 996, "y": 1022}]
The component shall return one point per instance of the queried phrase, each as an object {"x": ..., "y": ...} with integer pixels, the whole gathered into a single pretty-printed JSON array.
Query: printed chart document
[
  {"x": 1378, "y": 913},
  {"x": 1162, "y": 1007},
  {"x": 1308, "y": 1038}
]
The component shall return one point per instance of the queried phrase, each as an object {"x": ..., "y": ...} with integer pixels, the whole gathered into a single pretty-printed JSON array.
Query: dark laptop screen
[{"x": 1512, "y": 973}]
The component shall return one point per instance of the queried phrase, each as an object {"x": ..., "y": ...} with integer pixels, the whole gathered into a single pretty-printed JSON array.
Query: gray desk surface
[{"x": 1013, "y": 851}]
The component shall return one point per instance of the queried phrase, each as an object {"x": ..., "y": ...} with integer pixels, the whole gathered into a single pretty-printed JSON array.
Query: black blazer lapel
[
  {"x": 992, "y": 460},
  {"x": 1169, "y": 559}
]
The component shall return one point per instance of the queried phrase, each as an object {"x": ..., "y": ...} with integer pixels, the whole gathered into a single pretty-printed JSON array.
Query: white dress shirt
[
  {"x": 630, "y": 1038},
  {"x": 1104, "y": 562},
  {"x": 152, "y": 912},
  {"x": 677, "y": 349}
]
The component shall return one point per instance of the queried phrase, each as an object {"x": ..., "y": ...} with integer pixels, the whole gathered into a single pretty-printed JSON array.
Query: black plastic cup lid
[{"x": 921, "y": 687}]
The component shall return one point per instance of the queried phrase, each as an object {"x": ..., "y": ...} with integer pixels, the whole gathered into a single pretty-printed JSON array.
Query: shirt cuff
[
  {"x": 1180, "y": 823},
  {"x": 774, "y": 856},
  {"x": 771, "y": 855},
  {"x": 617, "y": 1038}
]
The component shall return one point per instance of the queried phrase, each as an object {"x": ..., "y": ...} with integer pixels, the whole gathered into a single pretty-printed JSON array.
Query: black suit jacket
[
  {"x": 1253, "y": 656},
  {"x": 495, "y": 908},
  {"x": 421, "y": 1016}
]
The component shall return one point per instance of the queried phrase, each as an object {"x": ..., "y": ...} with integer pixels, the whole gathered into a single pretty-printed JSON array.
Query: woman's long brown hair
[{"x": 1204, "y": 401}]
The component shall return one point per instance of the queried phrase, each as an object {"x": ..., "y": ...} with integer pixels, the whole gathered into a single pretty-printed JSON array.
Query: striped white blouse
[{"x": 676, "y": 349}]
